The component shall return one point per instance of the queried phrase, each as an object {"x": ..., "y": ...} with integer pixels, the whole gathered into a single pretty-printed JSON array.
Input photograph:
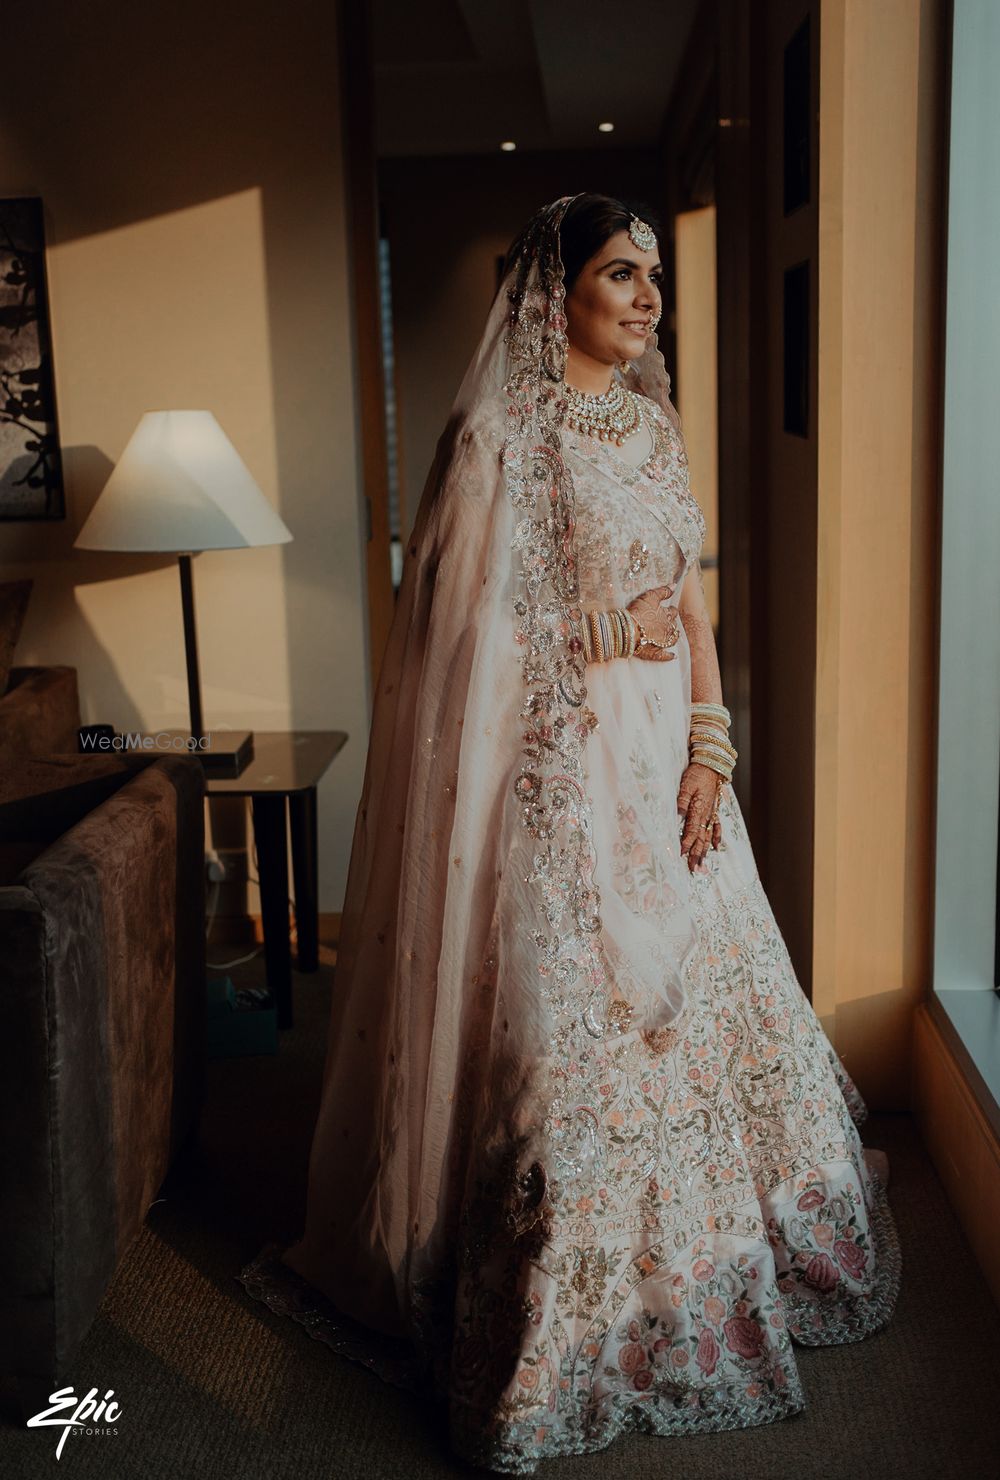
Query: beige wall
[
  {"x": 189, "y": 160},
  {"x": 879, "y": 396}
]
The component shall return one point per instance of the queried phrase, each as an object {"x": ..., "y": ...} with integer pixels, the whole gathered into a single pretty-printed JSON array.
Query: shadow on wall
[{"x": 55, "y": 614}]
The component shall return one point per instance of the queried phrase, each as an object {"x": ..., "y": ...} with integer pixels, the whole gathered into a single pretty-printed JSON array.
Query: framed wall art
[{"x": 31, "y": 478}]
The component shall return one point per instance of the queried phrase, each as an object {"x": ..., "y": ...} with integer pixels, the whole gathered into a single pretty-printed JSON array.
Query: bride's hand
[
  {"x": 696, "y": 797},
  {"x": 659, "y": 626}
]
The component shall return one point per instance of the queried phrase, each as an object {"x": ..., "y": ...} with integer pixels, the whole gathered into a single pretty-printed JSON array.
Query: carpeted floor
[{"x": 212, "y": 1384}]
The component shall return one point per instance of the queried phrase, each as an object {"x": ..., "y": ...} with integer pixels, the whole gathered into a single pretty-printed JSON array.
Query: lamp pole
[{"x": 191, "y": 645}]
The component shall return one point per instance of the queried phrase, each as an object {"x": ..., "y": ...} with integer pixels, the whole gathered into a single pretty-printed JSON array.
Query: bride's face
[{"x": 615, "y": 295}]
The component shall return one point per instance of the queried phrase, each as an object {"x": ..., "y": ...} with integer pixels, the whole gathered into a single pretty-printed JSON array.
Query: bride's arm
[
  {"x": 706, "y": 680},
  {"x": 699, "y": 784}
]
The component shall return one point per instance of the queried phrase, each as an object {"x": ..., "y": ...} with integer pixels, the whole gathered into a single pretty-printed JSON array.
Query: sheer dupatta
[{"x": 472, "y": 995}]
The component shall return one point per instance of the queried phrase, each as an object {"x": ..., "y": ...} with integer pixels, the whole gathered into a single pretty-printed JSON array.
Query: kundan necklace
[{"x": 611, "y": 417}]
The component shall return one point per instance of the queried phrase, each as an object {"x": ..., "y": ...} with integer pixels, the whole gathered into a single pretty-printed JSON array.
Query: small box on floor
[{"x": 239, "y": 1022}]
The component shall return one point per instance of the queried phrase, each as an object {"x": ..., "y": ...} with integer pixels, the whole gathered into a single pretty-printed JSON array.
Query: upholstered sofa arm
[
  {"x": 40, "y": 712},
  {"x": 102, "y": 1029}
]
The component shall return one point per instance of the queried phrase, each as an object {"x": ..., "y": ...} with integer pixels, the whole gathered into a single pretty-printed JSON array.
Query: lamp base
[{"x": 222, "y": 752}]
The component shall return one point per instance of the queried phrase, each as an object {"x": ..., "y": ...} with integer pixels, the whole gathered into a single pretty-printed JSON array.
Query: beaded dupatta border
[{"x": 550, "y": 785}]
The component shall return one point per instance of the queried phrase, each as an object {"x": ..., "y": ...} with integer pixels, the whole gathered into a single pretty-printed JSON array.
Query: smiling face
[{"x": 609, "y": 307}]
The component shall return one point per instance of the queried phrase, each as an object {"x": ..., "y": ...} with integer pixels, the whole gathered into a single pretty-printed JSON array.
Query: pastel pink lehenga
[{"x": 585, "y": 1160}]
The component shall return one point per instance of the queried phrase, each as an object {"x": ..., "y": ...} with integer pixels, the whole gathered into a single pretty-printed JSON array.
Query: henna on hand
[
  {"x": 659, "y": 626},
  {"x": 696, "y": 798}
]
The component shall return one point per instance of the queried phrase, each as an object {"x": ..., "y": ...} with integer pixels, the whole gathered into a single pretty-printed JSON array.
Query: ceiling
[{"x": 459, "y": 76}]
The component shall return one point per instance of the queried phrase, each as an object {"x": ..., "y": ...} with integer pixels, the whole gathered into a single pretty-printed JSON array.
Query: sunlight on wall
[{"x": 210, "y": 274}]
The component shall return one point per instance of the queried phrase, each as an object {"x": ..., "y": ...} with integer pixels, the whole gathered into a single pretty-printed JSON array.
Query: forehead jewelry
[{"x": 643, "y": 236}]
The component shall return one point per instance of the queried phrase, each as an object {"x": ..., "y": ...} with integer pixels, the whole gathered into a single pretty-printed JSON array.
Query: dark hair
[{"x": 589, "y": 221}]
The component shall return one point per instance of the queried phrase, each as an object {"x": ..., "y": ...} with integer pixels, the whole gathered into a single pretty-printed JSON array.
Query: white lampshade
[{"x": 180, "y": 485}]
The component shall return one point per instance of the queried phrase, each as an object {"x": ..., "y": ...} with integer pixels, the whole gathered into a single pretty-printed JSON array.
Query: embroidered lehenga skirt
[{"x": 722, "y": 1209}]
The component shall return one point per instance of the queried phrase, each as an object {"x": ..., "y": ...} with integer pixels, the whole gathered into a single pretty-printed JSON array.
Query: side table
[{"x": 286, "y": 764}]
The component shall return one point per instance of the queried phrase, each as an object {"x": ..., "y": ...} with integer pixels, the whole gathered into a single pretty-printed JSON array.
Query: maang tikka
[{"x": 642, "y": 235}]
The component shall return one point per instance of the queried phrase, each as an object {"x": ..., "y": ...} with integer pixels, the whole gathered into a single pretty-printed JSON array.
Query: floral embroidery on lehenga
[
  {"x": 727, "y": 1213},
  {"x": 732, "y": 1218},
  {"x": 638, "y": 867}
]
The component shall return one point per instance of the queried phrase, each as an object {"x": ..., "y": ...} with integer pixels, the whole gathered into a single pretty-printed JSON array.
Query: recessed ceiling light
[
  {"x": 606, "y": 128},
  {"x": 508, "y": 145}
]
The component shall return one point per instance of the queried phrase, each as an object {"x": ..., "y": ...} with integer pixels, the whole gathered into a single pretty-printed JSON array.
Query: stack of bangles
[
  {"x": 612, "y": 634},
  {"x": 710, "y": 746},
  {"x": 616, "y": 634}
]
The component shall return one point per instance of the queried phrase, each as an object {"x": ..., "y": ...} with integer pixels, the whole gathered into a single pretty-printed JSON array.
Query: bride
[{"x": 585, "y": 1159}]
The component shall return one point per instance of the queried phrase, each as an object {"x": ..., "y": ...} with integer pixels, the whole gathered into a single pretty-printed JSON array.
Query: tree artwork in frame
[{"x": 31, "y": 480}]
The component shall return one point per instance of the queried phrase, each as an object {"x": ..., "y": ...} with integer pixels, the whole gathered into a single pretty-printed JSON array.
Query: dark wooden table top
[{"x": 283, "y": 761}]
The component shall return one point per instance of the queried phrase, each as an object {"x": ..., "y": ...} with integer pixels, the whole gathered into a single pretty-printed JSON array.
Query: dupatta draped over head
[{"x": 473, "y": 992}]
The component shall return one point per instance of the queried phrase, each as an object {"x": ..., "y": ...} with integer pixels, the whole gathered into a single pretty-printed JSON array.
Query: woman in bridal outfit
[{"x": 586, "y": 1160}]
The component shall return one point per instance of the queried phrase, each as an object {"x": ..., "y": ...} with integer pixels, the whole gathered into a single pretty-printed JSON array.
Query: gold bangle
[
  {"x": 699, "y": 737},
  {"x": 722, "y": 757},
  {"x": 712, "y": 764},
  {"x": 588, "y": 654},
  {"x": 595, "y": 638},
  {"x": 714, "y": 713}
]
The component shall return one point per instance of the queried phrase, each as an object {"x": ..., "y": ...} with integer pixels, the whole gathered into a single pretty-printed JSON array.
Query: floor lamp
[{"x": 181, "y": 487}]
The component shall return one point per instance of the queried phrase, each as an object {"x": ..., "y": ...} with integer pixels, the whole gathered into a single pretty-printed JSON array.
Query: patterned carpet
[{"x": 211, "y": 1384}]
